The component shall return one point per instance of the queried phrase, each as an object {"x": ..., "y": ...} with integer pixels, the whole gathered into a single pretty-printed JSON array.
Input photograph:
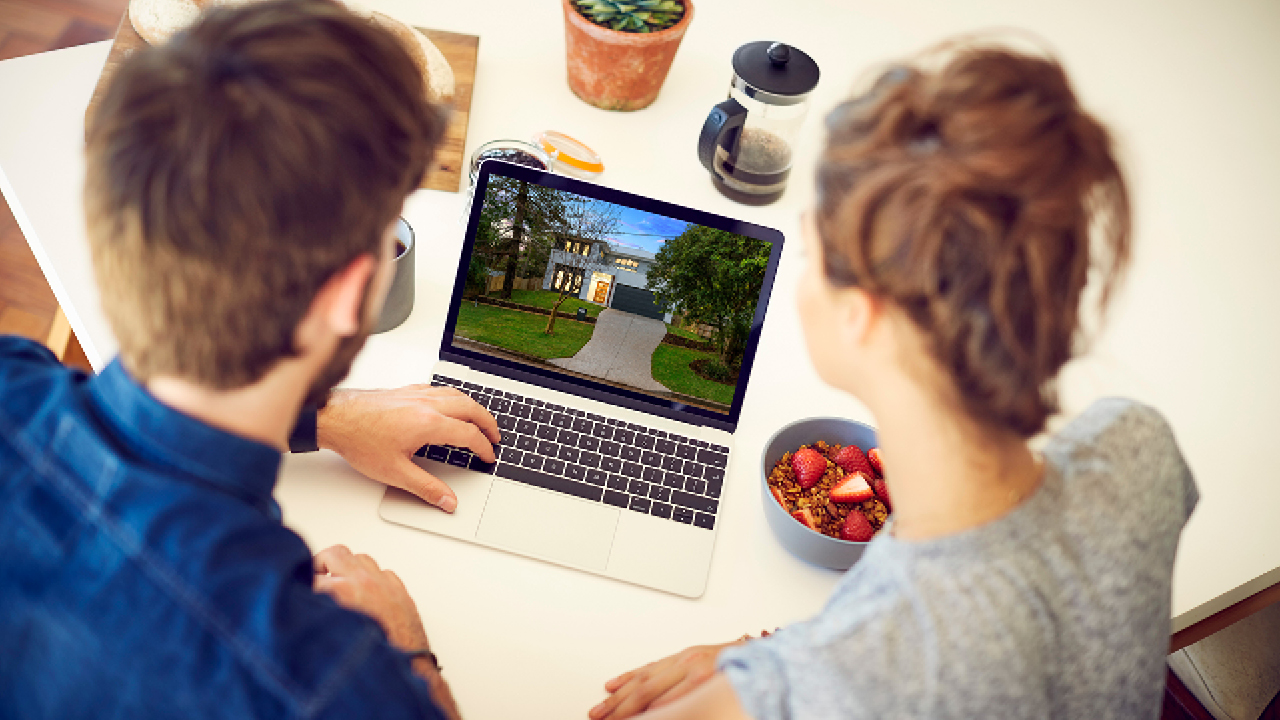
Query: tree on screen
[
  {"x": 518, "y": 225},
  {"x": 589, "y": 223},
  {"x": 712, "y": 277}
]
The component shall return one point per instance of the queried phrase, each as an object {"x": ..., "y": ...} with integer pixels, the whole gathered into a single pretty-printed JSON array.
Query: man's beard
[{"x": 343, "y": 357}]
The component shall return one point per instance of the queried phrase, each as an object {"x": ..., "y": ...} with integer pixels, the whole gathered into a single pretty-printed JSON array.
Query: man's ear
[{"x": 336, "y": 307}]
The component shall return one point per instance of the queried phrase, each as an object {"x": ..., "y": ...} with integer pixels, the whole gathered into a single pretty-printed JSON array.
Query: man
[{"x": 241, "y": 188}]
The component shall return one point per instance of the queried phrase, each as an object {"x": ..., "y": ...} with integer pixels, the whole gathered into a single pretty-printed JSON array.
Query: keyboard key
[
  {"x": 515, "y": 398},
  {"x": 634, "y": 427},
  {"x": 594, "y": 417},
  {"x": 586, "y": 442},
  {"x": 541, "y": 415},
  {"x": 699, "y": 443},
  {"x": 613, "y": 421},
  {"x": 568, "y": 454},
  {"x": 555, "y": 408},
  {"x": 582, "y": 425},
  {"x": 653, "y": 474},
  {"x": 511, "y": 455},
  {"x": 694, "y": 485},
  {"x": 547, "y": 432},
  {"x": 657, "y": 492},
  {"x": 567, "y": 437},
  {"x": 521, "y": 410},
  {"x": 615, "y": 498},
  {"x": 589, "y": 459},
  {"x": 459, "y": 458},
  {"x": 548, "y": 449},
  {"x": 482, "y": 400},
  {"x": 596, "y": 477},
  {"x": 713, "y": 475},
  {"x": 639, "y": 504},
  {"x": 575, "y": 413},
  {"x": 610, "y": 448},
  {"x": 617, "y": 482},
  {"x": 526, "y": 427},
  {"x": 685, "y": 452},
  {"x": 678, "y": 438},
  {"x": 672, "y": 464},
  {"x": 658, "y": 433},
  {"x": 695, "y": 502},
  {"x": 661, "y": 509},
  {"x": 719, "y": 448},
  {"x": 602, "y": 431},
  {"x": 713, "y": 489},
  {"x": 526, "y": 443},
  {"x": 553, "y": 466},
  {"x": 439, "y": 453},
  {"x": 704, "y": 520},
  {"x": 535, "y": 403},
  {"x": 531, "y": 461},
  {"x": 683, "y": 515},
  {"x": 422, "y": 451},
  {"x": 612, "y": 465},
  {"x": 650, "y": 458},
  {"x": 713, "y": 458},
  {"x": 500, "y": 405},
  {"x": 693, "y": 469},
  {"x": 506, "y": 422},
  {"x": 631, "y": 469},
  {"x": 470, "y": 386},
  {"x": 624, "y": 436},
  {"x": 561, "y": 420},
  {"x": 638, "y": 487},
  {"x": 481, "y": 466},
  {"x": 549, "y": 482},
  {"x": 666, "y": 447},
  {"x": 644, "y": 442},
  {"x": 674, "y": 480},
  {"x": 631, "y": 452}
]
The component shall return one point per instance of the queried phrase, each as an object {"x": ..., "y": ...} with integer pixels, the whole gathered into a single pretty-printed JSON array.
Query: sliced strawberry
[
  {"x": 882, "y": 492},
  {"x": 777, "y": 495},
  {"x": 852, "y": 460},
  {"x": 856, "y": 527},
  {"x": 806, "y": 518},
  {"x": 873, "y": 456},
  {"x": 853, "y": 488},
  {"x": 809, "y": 467}
]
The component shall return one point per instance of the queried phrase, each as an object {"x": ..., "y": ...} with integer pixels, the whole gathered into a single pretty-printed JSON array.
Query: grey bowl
[{"x": 806, "y": 544}]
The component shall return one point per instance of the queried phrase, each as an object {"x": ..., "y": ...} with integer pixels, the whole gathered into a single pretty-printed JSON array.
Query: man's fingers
[
  {"x": 413, "y": 478},
  {"x": 336, "y": 560},
  {"x": 463, "y": 408},
  {"x": 463, "y": 434},
  {"x": 368, "y": 563}
]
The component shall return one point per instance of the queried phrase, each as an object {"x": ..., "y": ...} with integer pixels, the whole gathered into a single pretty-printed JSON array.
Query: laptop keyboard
[{"x": 593, "y": 457}]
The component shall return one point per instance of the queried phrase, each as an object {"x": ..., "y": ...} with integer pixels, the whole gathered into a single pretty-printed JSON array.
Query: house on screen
[{"x": 604, "y": 273}]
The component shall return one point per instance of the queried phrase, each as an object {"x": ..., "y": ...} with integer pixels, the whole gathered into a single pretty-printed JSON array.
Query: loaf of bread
[{"x": 157, "y": 20}]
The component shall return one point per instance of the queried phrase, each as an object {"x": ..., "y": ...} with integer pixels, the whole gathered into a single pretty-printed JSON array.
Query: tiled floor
[{"x": 27, "y": 305}]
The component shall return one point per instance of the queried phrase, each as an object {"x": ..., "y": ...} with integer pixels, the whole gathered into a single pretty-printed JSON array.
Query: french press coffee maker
[{"x": 747, "y": 140}]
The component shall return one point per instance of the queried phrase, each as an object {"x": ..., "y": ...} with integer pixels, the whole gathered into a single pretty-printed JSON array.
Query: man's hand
[
  {"x": 377, "y": 431},
  {"x": 658, "y": 683},
  {"x": 357, "y": 583}
]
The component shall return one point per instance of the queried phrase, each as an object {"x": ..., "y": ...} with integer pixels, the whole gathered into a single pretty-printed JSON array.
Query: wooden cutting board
[{"x": 460, "y": 50}]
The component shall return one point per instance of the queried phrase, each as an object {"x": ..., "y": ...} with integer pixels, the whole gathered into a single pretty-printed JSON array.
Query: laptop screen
[{"x": 610, "y": 295}]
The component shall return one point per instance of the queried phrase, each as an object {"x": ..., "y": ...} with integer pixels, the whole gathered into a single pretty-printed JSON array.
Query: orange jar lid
[{"x": 564, "y": 149}]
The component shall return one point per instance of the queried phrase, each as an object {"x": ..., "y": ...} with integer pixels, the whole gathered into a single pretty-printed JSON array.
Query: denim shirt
[{"x": 145, "y": 571}]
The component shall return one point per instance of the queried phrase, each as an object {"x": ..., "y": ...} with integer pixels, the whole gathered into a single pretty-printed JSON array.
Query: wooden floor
[{"x": 27, "y": 305}]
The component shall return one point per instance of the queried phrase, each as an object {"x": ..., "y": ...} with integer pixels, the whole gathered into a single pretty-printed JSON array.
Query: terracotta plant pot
[{"x": 619, "y": 70}]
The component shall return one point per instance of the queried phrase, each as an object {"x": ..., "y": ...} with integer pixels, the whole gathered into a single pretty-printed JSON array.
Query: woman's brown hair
[{"x": 968, "y": 196}]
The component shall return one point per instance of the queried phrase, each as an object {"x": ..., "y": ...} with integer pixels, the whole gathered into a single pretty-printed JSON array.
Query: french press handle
[{"x": 721, "y": 128}]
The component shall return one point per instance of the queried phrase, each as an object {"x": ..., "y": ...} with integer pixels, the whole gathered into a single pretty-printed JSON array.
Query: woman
[{"x": 961, "y": 210}]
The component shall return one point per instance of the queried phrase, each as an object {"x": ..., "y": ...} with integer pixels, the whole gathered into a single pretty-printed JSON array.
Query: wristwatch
[{"x": 303, "y": 437}]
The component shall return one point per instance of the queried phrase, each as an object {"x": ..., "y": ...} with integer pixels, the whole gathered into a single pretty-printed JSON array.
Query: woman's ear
[{"x": 861, "y": 314}]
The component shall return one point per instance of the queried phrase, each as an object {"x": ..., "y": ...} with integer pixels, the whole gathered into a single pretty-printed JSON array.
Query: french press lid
[{"x": 774, "y": 73}]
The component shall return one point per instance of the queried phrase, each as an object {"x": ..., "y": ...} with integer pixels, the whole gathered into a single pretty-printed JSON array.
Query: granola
[{"x": 828, "y": 515}]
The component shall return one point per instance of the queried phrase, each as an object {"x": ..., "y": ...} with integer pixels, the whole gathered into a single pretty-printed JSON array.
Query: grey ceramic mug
[{"x": 399, "y": 302}]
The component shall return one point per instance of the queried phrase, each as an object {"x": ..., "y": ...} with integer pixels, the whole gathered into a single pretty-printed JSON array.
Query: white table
[{"x": 1193, "y": 95}]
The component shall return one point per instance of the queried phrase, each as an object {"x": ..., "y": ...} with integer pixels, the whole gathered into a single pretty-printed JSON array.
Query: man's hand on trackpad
[{"x": 378, "y": 431}]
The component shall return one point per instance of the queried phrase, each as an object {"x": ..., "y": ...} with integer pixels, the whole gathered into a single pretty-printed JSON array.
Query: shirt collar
[{"x": 167, "y": 437}]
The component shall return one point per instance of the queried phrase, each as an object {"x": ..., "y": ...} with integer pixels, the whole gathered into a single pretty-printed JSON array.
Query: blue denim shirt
[{"x": 145, "y": 572}]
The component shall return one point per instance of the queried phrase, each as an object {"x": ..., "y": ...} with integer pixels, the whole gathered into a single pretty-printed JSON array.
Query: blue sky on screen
[{"x": 644, "y": 230}]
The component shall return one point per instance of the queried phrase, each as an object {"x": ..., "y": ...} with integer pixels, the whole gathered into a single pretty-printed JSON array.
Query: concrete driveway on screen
[{"x": 621, "y": 350}]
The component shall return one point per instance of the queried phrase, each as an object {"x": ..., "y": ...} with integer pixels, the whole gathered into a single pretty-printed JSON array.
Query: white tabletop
[{"x": 1192, "y": 92}]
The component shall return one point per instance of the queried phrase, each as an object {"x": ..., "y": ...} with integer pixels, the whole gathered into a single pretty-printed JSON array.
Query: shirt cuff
[
  {"x": 757, "y": 677},
  {"x": 303, "y": 437}
]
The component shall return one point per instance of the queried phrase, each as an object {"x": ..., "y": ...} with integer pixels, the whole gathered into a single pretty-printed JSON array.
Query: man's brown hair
[
  {"x": 976, "y": 197},
  {"x": 235, "y": 169}
]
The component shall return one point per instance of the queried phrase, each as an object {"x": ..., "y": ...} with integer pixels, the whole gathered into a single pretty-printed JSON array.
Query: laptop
[{"x": 612, "y": 337}]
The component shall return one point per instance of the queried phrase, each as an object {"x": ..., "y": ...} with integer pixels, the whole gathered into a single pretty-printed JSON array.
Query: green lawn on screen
[
  {"x": 547, "y": 299},
  {"x": 522, "y": 331},
  {"x": 671, "y": 368}
]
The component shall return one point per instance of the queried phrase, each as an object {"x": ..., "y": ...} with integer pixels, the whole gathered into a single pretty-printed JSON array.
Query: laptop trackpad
[{"x": 548, "y": 525}]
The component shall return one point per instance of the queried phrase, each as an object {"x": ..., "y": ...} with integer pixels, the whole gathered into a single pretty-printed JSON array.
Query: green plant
[{"x": 638, "y": 16}]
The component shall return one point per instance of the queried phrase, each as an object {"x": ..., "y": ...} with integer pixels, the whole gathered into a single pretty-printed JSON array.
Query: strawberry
[
  {"x": 856, "y": 527},
  {"x": 806, "y": 518},
  {"x": 852, "y": 460},
  {"x": 882, "y": 492},
  {"x": 873, "y": 455},
  {"x": 777, "y": 495},
  {"x": 809, "y": 467},
  {"x": 853, "y": 488}
]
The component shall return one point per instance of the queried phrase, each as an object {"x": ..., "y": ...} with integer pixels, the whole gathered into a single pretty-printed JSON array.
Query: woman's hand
[{"x": 658, "y": 683}]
